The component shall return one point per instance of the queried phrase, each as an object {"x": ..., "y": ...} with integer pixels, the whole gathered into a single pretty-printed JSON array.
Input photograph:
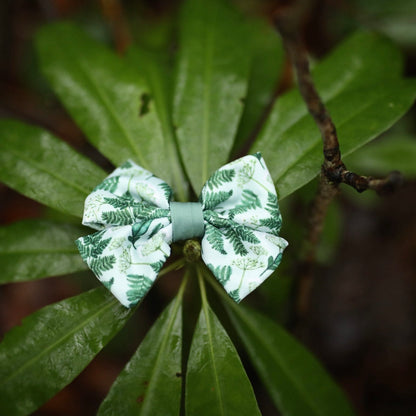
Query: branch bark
[
  {"x": 333, "y": 171},
  {"x": 114, "y": 13}
]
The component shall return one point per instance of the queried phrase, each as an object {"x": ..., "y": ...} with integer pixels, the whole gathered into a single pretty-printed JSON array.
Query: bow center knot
[{"x": 187, "y": 220}]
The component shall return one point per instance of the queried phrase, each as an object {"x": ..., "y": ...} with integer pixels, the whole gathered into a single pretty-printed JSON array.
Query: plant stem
[
  {"x": 183, "y": 284},
  {"x": 202, "y": 287},
  {"x": 176, "y": 265},
  {"x": 333, "y": 171},
  {"x": 202, "y": 271}
]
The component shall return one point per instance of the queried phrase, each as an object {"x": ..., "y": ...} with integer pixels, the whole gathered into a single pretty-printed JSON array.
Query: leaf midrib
[
  {"x": 75, "y": 61},
  {"x": 167, "y": 134},
  {"x": 144, "y": 409},
  {"x": 212, "y": 356},
  {"x": 51, "y": 173},
  {"x": 45, "y": 351},
  {"x": 270, "y": 350},
  {"x": 209, "y": 52}
]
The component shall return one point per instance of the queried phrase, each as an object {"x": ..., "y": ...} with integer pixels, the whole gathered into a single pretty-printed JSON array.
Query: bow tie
[{"x": 237, "y": 217}]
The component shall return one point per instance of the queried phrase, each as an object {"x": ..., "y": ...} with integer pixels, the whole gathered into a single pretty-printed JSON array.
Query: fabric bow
[{"x": 237, "y": 217}]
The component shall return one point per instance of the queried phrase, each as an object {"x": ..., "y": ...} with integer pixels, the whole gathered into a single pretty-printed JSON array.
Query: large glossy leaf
[
  {"x": 395, "y": 152},
  {"x": 359, "y": 114},
  {"x": 150, "y": 384},
  {"x": 52, "y": 346},
  {"x": 295, "y": 380},
  {"x": 34, "y": 249},
  {"x": 155, "y": 68},
  {"x": 105, "y": 96},
  {"x": 216, "y": 383},
  {"x": 360, "y": 83},
  {"x": 265, "y": 70},
  {"x": 211, "y": 82},
  {"x": 35, "y": 163}
]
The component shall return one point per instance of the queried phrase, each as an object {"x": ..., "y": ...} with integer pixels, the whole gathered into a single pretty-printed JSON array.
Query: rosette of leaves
[{"x": 225, "y": 69}]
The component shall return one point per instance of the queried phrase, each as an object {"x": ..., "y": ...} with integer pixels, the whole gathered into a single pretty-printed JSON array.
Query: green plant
[{"x": 135, "y": 108}]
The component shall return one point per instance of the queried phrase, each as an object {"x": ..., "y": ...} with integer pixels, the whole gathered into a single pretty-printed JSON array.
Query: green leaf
[
  {"x": 52, "y": 346},
  {"x": 360, "y": 84},
  {"x": 265, "y": 70},
  {"x": 35, "y": 163},
  {"x": 360, "y": 115},
  {"x": 392, "y": 153},
  {"x": 211, "y": 81},
  {"x": 295, "y": 380},
  {"x": 216, "y": 383},
  {"x": 150, "y": 384},
  {"x": 33, "y": 249},
  {"x": 105, "y": 96},
  {"x": 155, "y": 69}
]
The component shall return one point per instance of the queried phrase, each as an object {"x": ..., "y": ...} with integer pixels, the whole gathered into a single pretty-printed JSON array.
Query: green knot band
[{"x": 187, "y": 220}]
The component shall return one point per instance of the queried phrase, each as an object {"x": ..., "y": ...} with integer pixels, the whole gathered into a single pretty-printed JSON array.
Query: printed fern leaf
[
  {"x": 167, "y": 190},
  {"x": 235, "y": 239},
  {"x": 235, "y": 294},
  {"x": 222, "y": 273},
  {"x": 108, "y": 283},
  {"x": 149, "y": 212},
  {"x": 274, "y": 224},
  {"x": 272, "y": 207},
  {"x": 157, "y": 266},
  {"x": 120, "y": 217},
  {"x": 126, "y": 165},
  {"x": 92, "y": 245},
  {"x": 249, "y": 200},
  {"x": 259, "y": 158},
  {"x": 212, "y": 199},
  {"x": 102, "y": 264},
  {"x": 123, "y": 201},
  {"x": 108, "y": 184},
  {"x": 246, "y": 234},
  {"x": 220, "y": 177},
  {"x": 139, "y": 286},
  {"x": 215, "y": 238}
]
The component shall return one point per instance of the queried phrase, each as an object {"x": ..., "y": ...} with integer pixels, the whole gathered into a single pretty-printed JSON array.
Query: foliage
[{"x": 104, "y": 94}]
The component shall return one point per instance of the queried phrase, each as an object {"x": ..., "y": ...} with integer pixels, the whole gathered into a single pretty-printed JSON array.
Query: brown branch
[
  {"x": 333, "y": 170},
  {"x": 114, "y": 14}
]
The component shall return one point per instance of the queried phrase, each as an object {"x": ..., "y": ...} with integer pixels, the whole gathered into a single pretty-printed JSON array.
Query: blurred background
[{"x": 362, "y": 318}]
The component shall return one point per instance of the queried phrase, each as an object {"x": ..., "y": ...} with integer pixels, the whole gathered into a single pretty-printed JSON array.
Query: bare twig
[{"x": 333, "y": 170}]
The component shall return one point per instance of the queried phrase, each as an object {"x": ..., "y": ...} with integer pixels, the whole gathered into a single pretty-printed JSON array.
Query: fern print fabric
[{"x": 131, "y": 211}]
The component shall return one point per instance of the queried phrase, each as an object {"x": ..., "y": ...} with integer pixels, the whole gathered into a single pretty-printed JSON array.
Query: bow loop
[
  {"x": 128, "y": 195},
  {"x": 241, "y": 245},
  {"x": 238, "y": 217}
]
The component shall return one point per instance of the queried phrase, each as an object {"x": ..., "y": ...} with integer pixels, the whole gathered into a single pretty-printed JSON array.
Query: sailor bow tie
[{"x": 237, "y": 217}]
